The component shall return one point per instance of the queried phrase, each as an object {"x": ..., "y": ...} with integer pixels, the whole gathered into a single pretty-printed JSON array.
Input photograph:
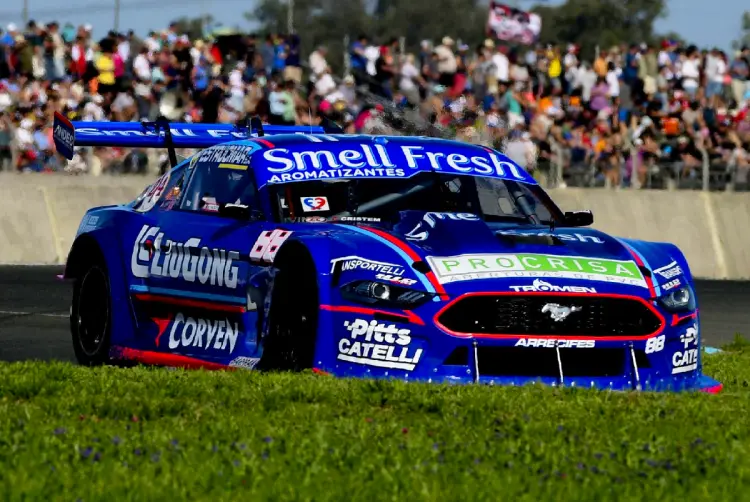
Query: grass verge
[{"x": 71, "y": 433}]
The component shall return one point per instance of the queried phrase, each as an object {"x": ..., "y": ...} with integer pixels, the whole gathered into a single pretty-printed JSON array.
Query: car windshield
[
  {"x": 216, "y": 184},
  {"x": 492, "y": 199}
]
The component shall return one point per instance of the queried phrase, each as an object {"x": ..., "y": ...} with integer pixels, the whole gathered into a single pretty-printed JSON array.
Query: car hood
[{"x": 464, "y": 252}]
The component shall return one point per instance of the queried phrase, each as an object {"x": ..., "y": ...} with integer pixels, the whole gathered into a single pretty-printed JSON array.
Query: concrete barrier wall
[{"x": 39, "y": 216}]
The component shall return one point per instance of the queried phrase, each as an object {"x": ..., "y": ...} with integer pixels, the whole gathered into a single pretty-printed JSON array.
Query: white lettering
[
  {"x": 379, "y": 345},
  {"x": 182, "y": 259},
  {"x": 188, "y": 333}
]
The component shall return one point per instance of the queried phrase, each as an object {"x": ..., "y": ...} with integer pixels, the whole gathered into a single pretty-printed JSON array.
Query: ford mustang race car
[{"x": 286, "y": 248}]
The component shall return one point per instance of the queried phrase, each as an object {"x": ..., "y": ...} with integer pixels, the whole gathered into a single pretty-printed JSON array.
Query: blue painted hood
[
  {"x": 467, "y": 254},
  {"x": 447, "y": 236}
]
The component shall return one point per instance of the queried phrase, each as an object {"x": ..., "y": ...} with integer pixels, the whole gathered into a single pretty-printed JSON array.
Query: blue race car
[{"x": 286, "y": 248}]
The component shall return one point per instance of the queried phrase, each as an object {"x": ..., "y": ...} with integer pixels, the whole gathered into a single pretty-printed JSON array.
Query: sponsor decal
[
  {"x": 655, "y": 344},
  {"x": 88, "y": 223},
  {"x": 359, "y": 263},
  {"x": 669, "y": 271},
  {"x": 228, "y": 154},
  {"x": 551, "y": 343},
  {"x": 356, "y": 219},
  {"x": 210, "y": 205},
  {"x": 267, "y": 245},
  {"x": 310, "y": 219},
  {"x": 64, "y": 136},
  {"x": 430, "y": 220},
  {"x": 153, "y": 193},
  {"x": 559, "y": 312},
  {"x": 687, "y": 359},
  {"x": 671, "y": 285},
  {"x": 204, "y": 334},
  {"x": 377, "y": 161},
  {"x": 375, "y": 344},
  {"x": 187, "y": 260},
  {"x": 398, "y": 280},
  {"x": 492, "y": 266},
  {"x": 244, "y": 362},
  {"x": 576, "y": 237},
  {"x": 310, "y": 204},
  {"x": 139, "y": 131},
  {"x": 540, "y": 285}
]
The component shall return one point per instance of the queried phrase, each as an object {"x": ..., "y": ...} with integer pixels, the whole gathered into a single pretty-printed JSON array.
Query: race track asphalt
[{"x": 34, "y": 309}]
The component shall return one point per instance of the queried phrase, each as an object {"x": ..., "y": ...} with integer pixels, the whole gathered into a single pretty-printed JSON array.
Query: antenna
[
  {"x": 256, "y": 124},
  {"x": 309, "y": 114}
]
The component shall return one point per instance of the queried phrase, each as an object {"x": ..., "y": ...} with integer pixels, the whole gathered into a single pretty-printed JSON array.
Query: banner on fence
[{"x": 513, "y": 25}]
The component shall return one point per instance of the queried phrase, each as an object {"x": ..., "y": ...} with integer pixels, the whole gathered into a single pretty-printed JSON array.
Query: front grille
[
  {"x": 522, "y": 315},
  {"x": 542, "y": 362}
]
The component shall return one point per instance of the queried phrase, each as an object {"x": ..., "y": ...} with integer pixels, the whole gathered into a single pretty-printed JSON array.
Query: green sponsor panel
[{"x": 549, "y": 263}]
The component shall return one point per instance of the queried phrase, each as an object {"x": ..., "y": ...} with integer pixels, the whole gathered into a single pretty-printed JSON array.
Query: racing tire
[
  {"x": 292, "y": 318},
  {"x": 91, "y": 314}
]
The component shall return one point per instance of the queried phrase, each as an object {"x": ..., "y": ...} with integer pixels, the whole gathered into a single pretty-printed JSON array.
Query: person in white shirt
[
  {"x": 372, "y": 53},
  {"x": 141, "y": 65},
  {"x": 502, "y": 65},
  {"x": 318, "y": 63},
  {"x": 409, "y": 79},
  {"x": 613, "y": 81},
  {"x": 691, "y": 73}
]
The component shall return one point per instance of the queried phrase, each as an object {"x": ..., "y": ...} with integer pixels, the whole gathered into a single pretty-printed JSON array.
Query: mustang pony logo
[{"x": 558, "y": 312}]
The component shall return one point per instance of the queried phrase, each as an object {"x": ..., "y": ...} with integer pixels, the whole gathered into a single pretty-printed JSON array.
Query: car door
[{"x": 195, "y": 267}]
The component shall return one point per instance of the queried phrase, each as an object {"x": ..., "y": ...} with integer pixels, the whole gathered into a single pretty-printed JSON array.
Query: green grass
[{"x": 69, "y": 433}]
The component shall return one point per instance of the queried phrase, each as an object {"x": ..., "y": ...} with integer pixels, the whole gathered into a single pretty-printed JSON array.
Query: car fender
[
  {"x": 657, "y": 255},
  {"x": 100, "y": 230}
]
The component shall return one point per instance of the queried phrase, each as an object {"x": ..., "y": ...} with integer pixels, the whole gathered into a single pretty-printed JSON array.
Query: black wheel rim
[{"x": 93, "y": 311}]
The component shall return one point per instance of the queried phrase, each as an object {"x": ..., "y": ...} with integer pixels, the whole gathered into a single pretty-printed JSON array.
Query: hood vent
[{"x": 542, "y": 240}]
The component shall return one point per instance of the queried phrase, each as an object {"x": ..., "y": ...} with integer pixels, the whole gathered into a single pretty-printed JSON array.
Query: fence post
[
  {"x": 347, "y": 58},
  {"x": 635, "y": 182},
  {"x": 556, "y": 169},
  {"x": 706, "y": 165}
]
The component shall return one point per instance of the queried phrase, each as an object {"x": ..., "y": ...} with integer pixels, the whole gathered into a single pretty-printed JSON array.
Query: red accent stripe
[
  {"x": 677, "y": 319},
  {"x": 411, "y": 254},
  {"x": 558, "y": 337},
  {"x": 175, "y": 360},
  {"x": 640, "y": 263},
  {"x": 321, "y": 372},
  {"x": 62, "y": 118},
  {"x": 713, "y": 390},
  {"x": 408, "y": 315},
  {"x": 185, "y": 302},
  {"x": 265, "y": 142}
]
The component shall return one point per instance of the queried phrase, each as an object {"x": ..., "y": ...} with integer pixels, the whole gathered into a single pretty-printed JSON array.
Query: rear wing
[{"x": 164, "y": 134}]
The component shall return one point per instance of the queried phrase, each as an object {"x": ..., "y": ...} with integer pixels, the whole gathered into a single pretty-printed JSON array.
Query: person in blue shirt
[
  {"x": 358, "y": 60},
  {"x": 279, "y": 54},
  {"x": 293, "y": 69}
]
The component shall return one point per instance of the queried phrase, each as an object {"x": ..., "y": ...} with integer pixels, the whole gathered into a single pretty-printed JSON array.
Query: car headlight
[
  {"x": 678, "y": 300},
  {"x": 379, "y": 293}
]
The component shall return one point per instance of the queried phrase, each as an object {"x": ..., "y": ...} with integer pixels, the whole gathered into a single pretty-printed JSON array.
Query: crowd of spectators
[{"x": 632, "y": 115}]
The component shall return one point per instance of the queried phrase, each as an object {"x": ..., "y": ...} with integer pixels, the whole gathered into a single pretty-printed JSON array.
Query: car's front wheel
[{"x": 91, "y": 314}]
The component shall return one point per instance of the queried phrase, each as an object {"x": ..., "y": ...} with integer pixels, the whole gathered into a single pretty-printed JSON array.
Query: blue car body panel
[{"x": 193, "y": 288}]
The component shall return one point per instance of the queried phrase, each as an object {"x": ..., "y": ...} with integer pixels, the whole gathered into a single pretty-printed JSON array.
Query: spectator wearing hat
[{"x": 446, "y": 62}]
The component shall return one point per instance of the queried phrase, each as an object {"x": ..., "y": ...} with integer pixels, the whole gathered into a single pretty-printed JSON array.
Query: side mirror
[
  {"x": 578, "y": 218},
  {"x": 240, "y": 212}
]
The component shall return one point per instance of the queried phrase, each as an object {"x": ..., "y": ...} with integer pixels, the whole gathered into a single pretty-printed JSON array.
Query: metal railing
[{"x": 712, "y": 174}]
